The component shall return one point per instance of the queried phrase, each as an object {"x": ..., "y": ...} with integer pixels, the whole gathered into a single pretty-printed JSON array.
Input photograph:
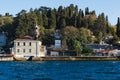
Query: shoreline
[
  {"x": 68, "y": 58},
  {"x": 60, "y": 58}
]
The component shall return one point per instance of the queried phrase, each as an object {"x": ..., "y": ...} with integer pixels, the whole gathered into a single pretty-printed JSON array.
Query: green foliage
[
  {"x": 99, "y": 37},
  {"x": 78, "y": 47},
  {"x": 51, "y": 19},
  {"x": 85, "y": 36},
  {"x": 6, "y": 20},
  {"x": 112, "y": 30},
  {"x": 100, "y": 25},
  {"x": 86, "y": 11},
  {"x": 75, "y": 27},
  {"x": 48, "y": 38},
  {"x": 118, "y": 27},
  {"x": 87, "y": 51},
  {"x": 115, "y": 40},
  {"x": 70, "y": 31},
  {"x": 6, "y": 24},
  {"x": 76, "y": 38}
]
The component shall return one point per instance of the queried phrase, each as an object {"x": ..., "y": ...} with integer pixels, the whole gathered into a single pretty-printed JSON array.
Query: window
[
  {"x": 18, "y": 44},
  {"x": 24, "y": 44},
  {"x": 24, "y": 50},
  {"x": 30, "y": 51},
  {"x": 18, "y": 50},
  {"x": 30, "y": 44}
]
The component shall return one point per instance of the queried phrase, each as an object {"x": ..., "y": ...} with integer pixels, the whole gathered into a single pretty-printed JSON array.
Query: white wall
[{"x": 35, "y": 48}]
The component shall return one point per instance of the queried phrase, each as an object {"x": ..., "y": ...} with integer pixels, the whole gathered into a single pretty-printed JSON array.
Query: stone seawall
[{"x": 73, "y": 58}]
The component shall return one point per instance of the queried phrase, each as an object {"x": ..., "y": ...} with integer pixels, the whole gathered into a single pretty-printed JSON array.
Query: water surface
[{"x": 60, "y": 70}]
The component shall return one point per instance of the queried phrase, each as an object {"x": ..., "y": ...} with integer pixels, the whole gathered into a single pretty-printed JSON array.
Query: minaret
[{"x": 36, "y": 31}]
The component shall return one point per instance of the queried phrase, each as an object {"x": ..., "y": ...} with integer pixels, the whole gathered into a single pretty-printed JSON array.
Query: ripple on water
[{"x": 60, "y": 70}]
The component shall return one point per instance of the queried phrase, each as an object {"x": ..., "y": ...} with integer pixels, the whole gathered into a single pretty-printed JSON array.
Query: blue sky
[{"x": 110, "y": 8}]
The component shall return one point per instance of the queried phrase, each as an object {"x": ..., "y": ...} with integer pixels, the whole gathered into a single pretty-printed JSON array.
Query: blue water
[{"x": 60, "y": 70}]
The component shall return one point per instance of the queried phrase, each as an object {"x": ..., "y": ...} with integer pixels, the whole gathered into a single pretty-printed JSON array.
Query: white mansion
[{"x": 29, "y": 46}]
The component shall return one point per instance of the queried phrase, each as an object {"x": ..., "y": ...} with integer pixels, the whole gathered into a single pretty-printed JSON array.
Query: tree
[
  {"x": 51, "y": 19},
  {"x": 99, "y": 37},
  {"x": 85, "y": 36},
  {"x": 71, "y": 31},
  {"x": 74, "y": 44},
  {"x": 87, "y": 51},
  {"x": 70, "y": 34},
  {"x": 71, "y": 9},
  {"x": 20, "y": 30},
  {"x": 78, "y": 47},
  {"x": 45, "y": 21},
  {"x": 7, "y": 14},
  {"x": 100, "y": 25},
  {"x": 39, "y": 18},
  {"x": 112, "y": 30},
  {"x": 118, "y": 27},
  {"x": 26, "y": 23},
  {"x": 73, "y": 24},
  {"x": 62, "y": 23},
  {"x": 48, "y": 38},
  {"x": 79, "y": 18},
  {"x": 71, "y": 42},
  {"x": 86, "y": 11},
  {"x": 107, "y": 25}
]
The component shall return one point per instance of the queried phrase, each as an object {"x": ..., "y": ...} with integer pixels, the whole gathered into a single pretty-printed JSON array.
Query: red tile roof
[{"x": 25, "y": 38}]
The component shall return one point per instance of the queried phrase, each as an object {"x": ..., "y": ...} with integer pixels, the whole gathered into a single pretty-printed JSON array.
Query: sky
[{"x": 111, "y": 8}]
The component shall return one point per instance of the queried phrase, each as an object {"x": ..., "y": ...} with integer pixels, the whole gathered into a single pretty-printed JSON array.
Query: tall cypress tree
[
  {"x": 107, "y": 25},
  {"x": 74, "y": 17},
  {"x": 118, "y": 27},
  {"x": 86, "y": 11},
  {"x": 100, "y": 25}
]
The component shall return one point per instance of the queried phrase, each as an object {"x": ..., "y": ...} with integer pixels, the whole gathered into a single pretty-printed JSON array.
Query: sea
[{"x": 60, "y": 70}]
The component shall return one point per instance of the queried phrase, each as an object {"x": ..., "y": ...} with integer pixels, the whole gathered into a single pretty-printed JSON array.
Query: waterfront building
[
  {"x": 27, "y": 47},
  {"x": 108, "y": 53},
  {"x": 99, "y": 47},
  {"x": 104, "y": 50},
  {"x": 54, "y": 51},
  {"x": 57, "y": 40}
]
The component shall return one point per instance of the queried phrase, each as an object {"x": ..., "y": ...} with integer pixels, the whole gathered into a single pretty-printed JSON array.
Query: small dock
[{"x": 6, "y": 57}]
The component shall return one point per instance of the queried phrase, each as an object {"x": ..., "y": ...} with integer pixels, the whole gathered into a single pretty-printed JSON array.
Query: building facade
[
  {"x": 28, "y": 47},
  {"x": 57, "y": 39}
]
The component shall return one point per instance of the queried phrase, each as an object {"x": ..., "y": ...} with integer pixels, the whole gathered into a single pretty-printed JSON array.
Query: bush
[{"x": 87, "y": 51}]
